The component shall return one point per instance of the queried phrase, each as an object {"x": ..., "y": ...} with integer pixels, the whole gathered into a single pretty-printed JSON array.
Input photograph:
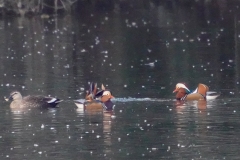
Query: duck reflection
[
  {"x": 192, "y": 122},
  {"x": 107, "y": 125},
  {"x": 200, "y": 104},
  {"x": 99, "y": 123},
  {"x": 97, "y": 108},
  {"x": 19, "y": 127}
]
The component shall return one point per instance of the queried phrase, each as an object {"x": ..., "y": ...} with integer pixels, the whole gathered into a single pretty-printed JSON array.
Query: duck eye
[{"x": 14, "y": 93}]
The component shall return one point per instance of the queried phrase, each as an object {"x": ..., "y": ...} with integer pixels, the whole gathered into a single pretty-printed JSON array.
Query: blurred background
[{"x": 137, "y": 48}]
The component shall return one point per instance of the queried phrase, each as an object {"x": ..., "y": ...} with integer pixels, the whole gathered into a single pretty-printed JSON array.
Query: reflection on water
[
  {"x": 107, "y": 122},
  {"x": 98, "y": 127},
  {"x": 200, "y": 104},
  {"x": 136, "y": 129}
]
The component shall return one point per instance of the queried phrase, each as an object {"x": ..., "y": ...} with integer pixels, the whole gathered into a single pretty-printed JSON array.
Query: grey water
[{"x": 140, "y": 55}]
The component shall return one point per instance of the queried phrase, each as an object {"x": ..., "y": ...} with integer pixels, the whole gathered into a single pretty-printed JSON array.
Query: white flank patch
[
  {"x": 195, "y": 91},
  {"x": 52, "y": 100},
  {"x": 212, "y": 95},
  {"x": 80, "y": 105}
]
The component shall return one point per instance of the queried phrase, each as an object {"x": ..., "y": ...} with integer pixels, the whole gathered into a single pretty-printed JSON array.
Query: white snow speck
[{"x": 98, "y": 136}]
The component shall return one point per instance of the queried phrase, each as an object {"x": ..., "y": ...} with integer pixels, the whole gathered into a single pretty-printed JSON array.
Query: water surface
[{"x": 140, "y": 55}]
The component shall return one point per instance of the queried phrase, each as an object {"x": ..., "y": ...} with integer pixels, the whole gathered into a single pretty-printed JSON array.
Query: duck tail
[{"x": 54, "y": 101}]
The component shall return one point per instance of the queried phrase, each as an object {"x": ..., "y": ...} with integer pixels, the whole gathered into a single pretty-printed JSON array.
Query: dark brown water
[{"x": 140, "y": 55}]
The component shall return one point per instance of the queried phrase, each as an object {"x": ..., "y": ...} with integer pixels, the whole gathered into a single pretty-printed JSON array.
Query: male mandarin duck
[
  {"x": 183, "y": 93},
  {"x": 96, "y": 100}
]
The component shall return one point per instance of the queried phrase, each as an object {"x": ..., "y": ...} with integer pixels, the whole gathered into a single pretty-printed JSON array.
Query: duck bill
[
  {"x": 10, "y": 98},
  {"x": 175, "y": 90},
  {"x": 111, "y": 97}
]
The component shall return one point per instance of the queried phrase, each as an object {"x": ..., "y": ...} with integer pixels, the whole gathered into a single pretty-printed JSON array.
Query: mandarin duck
[
  {"x": 183, "y": 93},
  {"x": 31, "y": 101},
  {"x": 96, "y": 100}
]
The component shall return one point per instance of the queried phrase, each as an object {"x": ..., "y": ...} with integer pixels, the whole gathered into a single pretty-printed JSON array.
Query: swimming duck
[
  {"x": 96, "y": 100},
  {"x": 31, "y": 101},
  {"x": 183, "y": 93}
]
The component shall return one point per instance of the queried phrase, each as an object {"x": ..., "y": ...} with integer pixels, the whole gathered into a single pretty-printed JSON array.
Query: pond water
[{"x": 139, "y": 55}]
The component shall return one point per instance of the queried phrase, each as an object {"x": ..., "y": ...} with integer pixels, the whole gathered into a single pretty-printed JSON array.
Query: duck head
[
  {"x": 181, "y": 85},
  {"x": 104, "y": 93},
  {"x": 106, "y": 96},
  {"x": 15, "y": 95},
  {"x": 106, "y": 99},
  {"x": 182, "y": 91}
]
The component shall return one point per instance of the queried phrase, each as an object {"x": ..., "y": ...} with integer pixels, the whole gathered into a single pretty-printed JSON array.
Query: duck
[
  {"x": 96, "y": 100},
  {"x": 183, "y": 93},
  {"x": 31, "y": 101}
]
